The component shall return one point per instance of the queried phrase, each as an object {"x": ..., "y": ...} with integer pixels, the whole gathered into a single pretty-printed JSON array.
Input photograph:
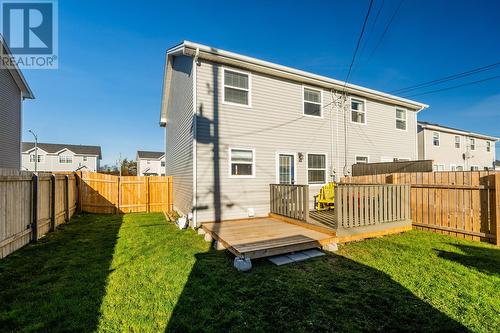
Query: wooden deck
[
  {"x": 324, "y": 217},
  {"x": 263, "y": 237}
]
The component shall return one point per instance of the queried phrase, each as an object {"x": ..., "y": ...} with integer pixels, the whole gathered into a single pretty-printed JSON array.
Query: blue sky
[{"x": 107, "y": 89}]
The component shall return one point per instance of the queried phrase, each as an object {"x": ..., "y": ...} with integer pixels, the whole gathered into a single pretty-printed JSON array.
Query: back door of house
[{"x": 286, "y": 169}]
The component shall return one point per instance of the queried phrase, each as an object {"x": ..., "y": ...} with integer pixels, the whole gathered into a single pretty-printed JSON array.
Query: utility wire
[
  {"x": 359, "y": 41},
  {"x": 386, "y": 29},
  {"x": 444, "y": 79},
  {"x": 454, "y": 87}
]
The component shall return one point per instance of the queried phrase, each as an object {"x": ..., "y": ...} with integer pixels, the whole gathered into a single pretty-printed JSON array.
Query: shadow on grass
[
  {"x": 58, "y": 283},
  {"x": 485, "y": 260},
  {"x": 331, "y": 293}
]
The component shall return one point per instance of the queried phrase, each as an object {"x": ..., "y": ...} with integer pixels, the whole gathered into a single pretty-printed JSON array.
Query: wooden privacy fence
[
  {"x": 108, "y": 194},
  {"x": 32, "y": 206},
  {"x": 365, "y": 205},
  {"x": 463, "y": 204},
  {"x": 290, "y": 201}
]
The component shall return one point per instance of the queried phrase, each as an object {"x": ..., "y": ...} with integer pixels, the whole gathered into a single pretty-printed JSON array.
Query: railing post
[
  {"x": 306, "y": 203},
  {"x": 34, "y": 222}
]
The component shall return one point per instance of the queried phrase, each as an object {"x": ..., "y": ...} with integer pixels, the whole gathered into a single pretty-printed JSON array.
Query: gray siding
[
  {"x": 10, "y": 121},
  {"x": 275, "y": 123},
  {"x": 179, "y": 133}
]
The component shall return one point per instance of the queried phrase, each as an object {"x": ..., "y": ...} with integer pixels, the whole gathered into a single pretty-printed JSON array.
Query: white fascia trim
[
  {"x": 337, "y": 84},
  {"x": 453, "y": 131}
]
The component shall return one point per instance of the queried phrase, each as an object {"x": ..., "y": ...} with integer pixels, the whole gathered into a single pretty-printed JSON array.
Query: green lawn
[{"x": 137, "y": 272}]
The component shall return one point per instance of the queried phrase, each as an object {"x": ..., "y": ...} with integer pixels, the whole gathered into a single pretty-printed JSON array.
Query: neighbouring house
[
  {"x": 13, "y": 90},
  {"x": 454, "y": 149},
  {"x": 150, "y": 163},
  {"x": 60, "y": 157},
  {"x": 235, "y": 124}
]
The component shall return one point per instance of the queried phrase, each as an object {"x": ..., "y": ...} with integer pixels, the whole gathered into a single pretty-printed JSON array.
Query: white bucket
[{"x": 182, "y": 222}]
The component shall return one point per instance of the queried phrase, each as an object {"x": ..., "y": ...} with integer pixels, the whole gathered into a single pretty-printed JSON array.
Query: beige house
[
  {"x": 454, "y": 149},
  {"x": 150, "y": 163},
  {"x": 235, "y": 124}
]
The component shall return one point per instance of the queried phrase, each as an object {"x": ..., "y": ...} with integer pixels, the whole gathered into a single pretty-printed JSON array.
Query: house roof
[
  {"x": 229, "y": 58},
  {"x": 16, "y": 73},
  {"x": 150, "y": 154},
  {"x": 438, "y": 127},
  {"x": 53, "y": 148}
]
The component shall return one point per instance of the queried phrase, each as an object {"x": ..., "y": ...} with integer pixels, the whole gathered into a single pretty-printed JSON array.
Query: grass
[{"x": 138, "y": 273}]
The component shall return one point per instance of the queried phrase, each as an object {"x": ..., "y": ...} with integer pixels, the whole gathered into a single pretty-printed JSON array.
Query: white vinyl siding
[
  {"x": 312, "y": 102},
  {"x": 401, "y": 119},
  {"x": 316, "y": 168},
  {"x": 242, "y": 163},
  {"x": 358, "y": 111},
  {"x": 236, "y": 87}
]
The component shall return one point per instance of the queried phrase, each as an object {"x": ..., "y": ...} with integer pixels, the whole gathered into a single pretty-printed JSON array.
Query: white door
[{"x": 286, "y": 169}]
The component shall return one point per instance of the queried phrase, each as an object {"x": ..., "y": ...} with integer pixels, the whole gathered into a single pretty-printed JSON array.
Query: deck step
[{"x": 276, "y": 246}]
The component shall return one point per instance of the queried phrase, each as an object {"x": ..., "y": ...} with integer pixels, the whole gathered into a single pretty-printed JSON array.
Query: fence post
[
  {"x": 497, "y": 208},
  {"x": 66, "y": 203},
  {"x": 148, "y": 201},
  {"x": 34, "y": 222},
  {"x": 117, "y": 206},
  {"x": 52, "y": 202}
]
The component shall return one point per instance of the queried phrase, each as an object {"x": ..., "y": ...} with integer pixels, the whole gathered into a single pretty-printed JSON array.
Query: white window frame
[
  {"x": 437, "y": 165},
  {"x": 356, "y": 158},
  {"x": 439, "y": 139},
  {"x": 401, "y": 159},
  {"x": 453, "y": 167},
  {"x": 320, "y": 102},
  {"x": 307, "y": 169},
  {"x": 406, "y": 119},
  {"x": 277, "y": 159},
  {"x": 249, "y": 90},
  {"x": 229, "y": 158},
  {"x": 488, "y": 146},
  {"x": 459, "y": 141},
  {"x": 474, "y": 168},
  {"x": 472, "y": 145},
  {"x": 65, "y": 159},
  {"x": 39, "y": 156},
  {"x": 84, "y": 158},
  {"x": 351, "y": 110}
]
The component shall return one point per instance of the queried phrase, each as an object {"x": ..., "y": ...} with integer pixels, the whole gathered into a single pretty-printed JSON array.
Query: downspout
[
  {"x": 423, "y": 134},
  {"x": 195, "y": 142}
]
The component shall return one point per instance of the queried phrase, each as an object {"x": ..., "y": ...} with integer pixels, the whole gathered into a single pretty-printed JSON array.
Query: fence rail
[
  {"x": 290, "y": 201},
  {"x": 462, "y": 204},
  {"x": 33, "y": 206},
  {"x": 365, "y": 205}
]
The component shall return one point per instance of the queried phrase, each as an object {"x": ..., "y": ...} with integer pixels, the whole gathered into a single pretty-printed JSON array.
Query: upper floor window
[
  {"x": 242, "y": 162},
  {"x": 33, "y": 158},
  {"x": 488, "y": 146},
  {"x": 85, "y": 158},
  {"x": 65, "y": 159},
  {"x": 435, "y": 138},
  {"x": 312, "y": 102},
  {"x": 162, "y": 163},
  {"x": 361, "y": 159},
  {"x": 472, "y": 142},
  {"x": 457, "y": 141},
  {"x": 358, "y": 111},
  {"x": 236, "y": 87},
  {"x": 316, "y": 168},
  {"x": 401, "y": 119}
]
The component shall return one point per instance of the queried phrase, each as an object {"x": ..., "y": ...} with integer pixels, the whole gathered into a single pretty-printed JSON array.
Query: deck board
[{"x": 261, "y": 237}]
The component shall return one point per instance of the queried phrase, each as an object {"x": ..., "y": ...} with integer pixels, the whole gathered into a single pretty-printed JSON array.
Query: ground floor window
[
  {"x": 242, "y": 162},
  {"x": 361, "y": 159},
  {"x": 474, "y": 168},
  {"x": 316, "y": 168},
  {"x": 438, "y": 167}
]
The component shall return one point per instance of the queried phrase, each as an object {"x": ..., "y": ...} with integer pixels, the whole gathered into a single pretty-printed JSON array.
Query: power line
[
  {"x": 359, "y": 41},
  {"x": 444, "y": 79},
  {"x": 386, "y": 29},
  {"x": 372, "y": 29},
  {"x": 454, "y": 87}
]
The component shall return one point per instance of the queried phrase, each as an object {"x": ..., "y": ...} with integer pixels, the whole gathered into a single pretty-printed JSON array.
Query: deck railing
[
  {"x": 290, "y": 201},
  {"x": 365, "y": 205}
]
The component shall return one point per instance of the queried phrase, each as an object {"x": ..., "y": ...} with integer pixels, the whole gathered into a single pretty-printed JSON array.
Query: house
[
  {"x": 150, "y": 163},
  {"x": 13, "y": 90},
  {"x": 60, "y": 157},
  {"x": 235, "y": 124},
  {"x": 454, "y": 149}
]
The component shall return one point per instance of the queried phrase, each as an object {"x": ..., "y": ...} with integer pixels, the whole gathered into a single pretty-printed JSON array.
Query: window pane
[
  {"x": 241, "y": 169},
  {"x": 358, "y": 117},
  {"x": 400, "y": 114},
  {"x": 401, "y": 124},
  {"x": 239, "y": 155},
  {"x": 316, "y": 176},
  {"x": 312, "y": 109},
  {"x": 361, "y": 159},
  {"x": 357, "y": 105},
  {"x": 312, "y": 95},
  {"x": 316, "y": 161},
  {"x": 235, "y": 96},
  {"x": 235, "y": 79}
]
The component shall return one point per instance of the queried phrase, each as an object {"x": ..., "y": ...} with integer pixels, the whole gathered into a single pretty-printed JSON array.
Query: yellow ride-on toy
[{"x": 326, "y": 197}]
